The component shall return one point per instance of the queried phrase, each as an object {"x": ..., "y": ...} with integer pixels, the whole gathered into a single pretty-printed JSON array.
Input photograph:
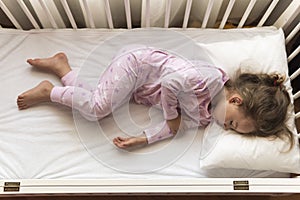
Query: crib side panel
[
  {"x": 101, "y": 14},
  {"x": 150, "y": 187}
]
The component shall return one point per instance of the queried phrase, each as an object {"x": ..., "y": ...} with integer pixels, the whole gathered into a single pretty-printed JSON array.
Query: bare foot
[
  {"x": 57, "y": 64},
  {"x": 38, "y": 94}
]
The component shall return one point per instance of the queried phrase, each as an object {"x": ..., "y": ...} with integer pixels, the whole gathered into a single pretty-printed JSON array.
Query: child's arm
[
  {"x": 162, "y": 131},
  {"x": 174, "y": 124},
  {"x": 171, "y": 86}
]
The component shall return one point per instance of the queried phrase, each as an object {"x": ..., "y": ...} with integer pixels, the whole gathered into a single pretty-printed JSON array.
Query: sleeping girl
[{"x": 250, "y": 104}]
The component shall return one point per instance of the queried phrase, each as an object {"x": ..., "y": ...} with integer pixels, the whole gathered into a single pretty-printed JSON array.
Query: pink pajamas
[
  {"x": 115, "y": 88},
  {"x": 151, "y": 77}
]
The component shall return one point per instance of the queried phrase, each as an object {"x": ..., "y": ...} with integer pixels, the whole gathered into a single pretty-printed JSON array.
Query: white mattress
[{"x": 43, "y": 142}]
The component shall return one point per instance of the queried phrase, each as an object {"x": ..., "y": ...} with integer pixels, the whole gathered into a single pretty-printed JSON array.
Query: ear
[{"x": 236, "y": 99}]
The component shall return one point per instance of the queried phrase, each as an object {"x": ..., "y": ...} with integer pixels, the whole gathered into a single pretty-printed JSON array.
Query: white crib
[{"x": 110, "y": 15}]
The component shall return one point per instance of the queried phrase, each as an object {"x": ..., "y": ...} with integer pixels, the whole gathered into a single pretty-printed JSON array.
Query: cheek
[{"x": 219, "y": 113}]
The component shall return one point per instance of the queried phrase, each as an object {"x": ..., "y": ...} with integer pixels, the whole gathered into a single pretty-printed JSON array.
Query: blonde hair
[{"x": 265, "y": 100}]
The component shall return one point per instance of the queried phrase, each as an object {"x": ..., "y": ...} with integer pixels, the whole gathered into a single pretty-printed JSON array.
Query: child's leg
[
  {"x": 114, "y": 89},
  {"x": 59, "y": 65}
]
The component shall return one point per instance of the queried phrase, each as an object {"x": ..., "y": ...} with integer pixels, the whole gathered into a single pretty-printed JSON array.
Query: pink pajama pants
[{"x": 115, "y": 87}]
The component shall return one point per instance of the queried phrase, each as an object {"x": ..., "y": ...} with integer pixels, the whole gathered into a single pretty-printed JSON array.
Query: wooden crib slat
[
  {"x": 247, "y": 13},
  {"x": 267, "y": 13},
  {"x": 87, "y": 14},
  {"x": 48, "y": 13},
  {"x": 168, "y": 12},
  {"x": 9, "y": 15},
  {"x": 227, "y": 13},
  {"x": 297, "y": 95},
  {"x": 128, "y": 13},
  {"x": 296, "y": 117},
  {"x": 288, "y": 15},
  {"x": 295, "y": 74},
  {"x": 69, "y": 13},
  {"x": 84, "y": 13},
  {"x": 294, "y": 54},
  {"x": 214, "y": 14},
  {"x": 28, "y": 14},
  {"x": 108, "y": 14},
  {"x": 207, "y": 13},
  {"x": 147, "y": 14},
  {"x": 292, "y": 33},
  {"x": 187, "y": 13}
]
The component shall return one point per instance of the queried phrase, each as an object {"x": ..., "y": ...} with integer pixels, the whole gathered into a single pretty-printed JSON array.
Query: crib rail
[
  {"x": 42, "y": 11},
  {"x": 39, "y": 14}
]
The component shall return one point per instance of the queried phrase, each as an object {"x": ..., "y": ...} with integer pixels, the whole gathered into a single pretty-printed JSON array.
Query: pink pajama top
[{"x": 177, "y": 86}]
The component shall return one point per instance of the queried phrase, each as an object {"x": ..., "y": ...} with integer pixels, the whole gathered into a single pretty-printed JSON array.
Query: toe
[
  {"x": 30, "y": 61},
  {"x": 20, "y": 104},
  {"x": 20, "y": 98},
  {"x": 33, "y": 61},
  {"x": 23, "y": 107}
]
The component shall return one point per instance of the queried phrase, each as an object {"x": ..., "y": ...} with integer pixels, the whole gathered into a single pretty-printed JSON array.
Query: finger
[
  {"x": 118, "y": 144},
  {"x": 116, "y": 139},
  {"x": 122, "y": 139}
]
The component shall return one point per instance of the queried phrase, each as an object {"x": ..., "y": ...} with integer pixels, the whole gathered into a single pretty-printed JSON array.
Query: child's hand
[
  {"x": 124, "y": 143},
  {"x": 174, "y": 124}
]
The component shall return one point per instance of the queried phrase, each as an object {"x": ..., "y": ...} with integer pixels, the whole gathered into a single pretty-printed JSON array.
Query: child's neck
[{"x": 220, "y": 97}]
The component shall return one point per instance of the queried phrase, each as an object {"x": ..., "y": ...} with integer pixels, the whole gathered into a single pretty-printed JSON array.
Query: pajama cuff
[
  {"x": 70, "y": 78},
  {"x": 160, "y": 132},
  {"x": 56, "y": 94}
]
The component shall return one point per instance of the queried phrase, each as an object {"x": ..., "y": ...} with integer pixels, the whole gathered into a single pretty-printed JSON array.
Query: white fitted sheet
[{"x": 42, "y": 142}]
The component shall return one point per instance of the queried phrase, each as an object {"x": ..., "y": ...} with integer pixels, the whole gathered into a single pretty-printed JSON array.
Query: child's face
[
  {"x": 237, "y": 121},
  {"x": 229, "y": 115}
]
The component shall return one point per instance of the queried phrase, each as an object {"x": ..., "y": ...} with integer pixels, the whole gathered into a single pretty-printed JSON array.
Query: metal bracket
[
  {"x": 241, "y": 185},
  {"x": 11, "y": 187}
]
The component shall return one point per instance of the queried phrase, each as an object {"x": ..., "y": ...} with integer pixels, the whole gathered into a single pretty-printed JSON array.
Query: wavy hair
[{"x": 266, "y": 100}]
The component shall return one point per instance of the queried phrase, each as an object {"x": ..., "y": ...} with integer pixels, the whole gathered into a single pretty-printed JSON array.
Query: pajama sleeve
[
  {"x": 171, "y": 86},
  {"x": 159, "y": 132}
]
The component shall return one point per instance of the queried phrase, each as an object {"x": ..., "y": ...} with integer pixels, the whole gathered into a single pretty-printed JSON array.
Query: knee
[{"x": 91, "y": 117}]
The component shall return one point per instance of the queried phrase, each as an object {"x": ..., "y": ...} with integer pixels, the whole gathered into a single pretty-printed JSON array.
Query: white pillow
[
  {"x": 226, "y": 149},
  {"x": 232, "y": 150}
]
